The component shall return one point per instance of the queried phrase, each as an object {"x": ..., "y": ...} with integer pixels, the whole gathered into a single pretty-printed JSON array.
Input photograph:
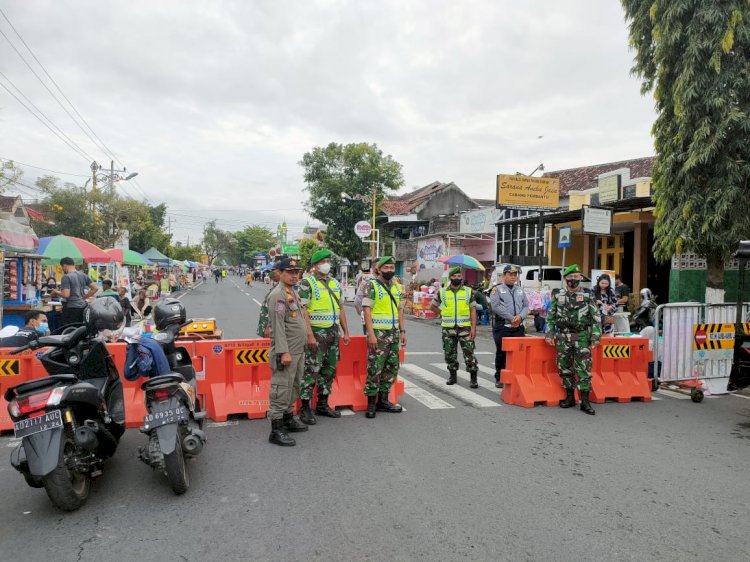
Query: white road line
[
  {"x": 673, "y": 394},
  {"x": 466, "y": 395},
  {"x": 12, "y": 442},
  {"x": 741, "y": 396},
  {"x": 256, "y": 301},
  {"x": 483, "y": 383},
  {"x": 221, "y": 424},
  {"x": 425, "y": 397},
  {"x": 487, "y": 370},
  {"x": 346, "y": 411}
]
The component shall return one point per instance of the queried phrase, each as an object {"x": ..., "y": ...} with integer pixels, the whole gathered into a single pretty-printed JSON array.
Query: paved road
[{"x": 457, "y": 476}]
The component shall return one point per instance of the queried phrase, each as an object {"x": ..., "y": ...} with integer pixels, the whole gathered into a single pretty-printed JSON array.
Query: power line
[{"x": 43, "y": 169}]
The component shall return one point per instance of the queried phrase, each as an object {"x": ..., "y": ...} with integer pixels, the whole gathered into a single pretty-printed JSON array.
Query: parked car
[{"x": 552, "y": 277}]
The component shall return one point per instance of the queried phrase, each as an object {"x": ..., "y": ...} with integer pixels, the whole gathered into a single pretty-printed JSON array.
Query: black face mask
[
  {"x": 573, "y": 283},
  {"x": 388, "y": 275},
  {"x": 456, "y": 282}
]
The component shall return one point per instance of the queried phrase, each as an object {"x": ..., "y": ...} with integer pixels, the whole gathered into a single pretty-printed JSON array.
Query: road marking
[
  {"x": 222, "y": 424},
  {"x": 441, "y": 353},
  {"x": 13, "y": 442},
  {"x": 425, "y": 397},
  {"x": 741, "y": 396},
  {"x": 190, "y": 290},
  {"x": 673, "y": 394},
  {"x": 256, "y": 301},
  {"x": 346, "y": 411},
  {"x": 466, "y": 395},
  {"x": 483, "y": 383}
]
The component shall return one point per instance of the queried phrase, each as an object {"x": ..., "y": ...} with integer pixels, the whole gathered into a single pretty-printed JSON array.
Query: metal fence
[{"x": 674, "y": 357}]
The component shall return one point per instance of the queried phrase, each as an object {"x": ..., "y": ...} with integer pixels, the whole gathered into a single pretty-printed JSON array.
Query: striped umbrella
[
  {"x": 128, "y": 257},
  {"x": 54, "y": 248},
  {"x": 463, "y": 260}
]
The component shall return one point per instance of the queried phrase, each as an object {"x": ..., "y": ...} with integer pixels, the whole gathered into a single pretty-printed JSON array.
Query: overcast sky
[{"x": 214, "y": 103}]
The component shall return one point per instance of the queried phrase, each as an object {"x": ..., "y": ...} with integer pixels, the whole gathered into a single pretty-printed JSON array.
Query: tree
[
  {"x": 252, "y": 240},
  {"x": 9, "y": 174},
  {"x": 180, "y": 252},
  {"x": 307, "y": 248},
  {"x": 217, "y": 242},
  {"x": 341, "y": 180},
  {"x": 694, "y": 55}
]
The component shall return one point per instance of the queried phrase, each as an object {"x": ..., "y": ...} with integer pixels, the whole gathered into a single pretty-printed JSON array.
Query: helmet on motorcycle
[
  {"x": 104, "y": 316},
  {"x": 168, "y": 313},
  {"x": 646, "y": 294}
]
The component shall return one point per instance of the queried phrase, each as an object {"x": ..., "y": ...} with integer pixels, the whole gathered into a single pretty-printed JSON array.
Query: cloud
[{"x": 214, "y": 103}]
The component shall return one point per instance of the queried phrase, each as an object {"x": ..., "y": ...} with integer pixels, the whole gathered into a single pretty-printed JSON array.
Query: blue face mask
[{"x": 42, "y": 328}]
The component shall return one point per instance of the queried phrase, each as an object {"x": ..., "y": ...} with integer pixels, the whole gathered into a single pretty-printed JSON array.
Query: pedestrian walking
[
  {"x": 287, "y": 353},
  {"x": 509, "y": 306},
  {"x": 573, "y": 325},
  {"x": 457, "y": 306},
  {"x": 384, "y": 321},
  {"x": 75, "y": 288},
  {"x": 321, "y": 299}
]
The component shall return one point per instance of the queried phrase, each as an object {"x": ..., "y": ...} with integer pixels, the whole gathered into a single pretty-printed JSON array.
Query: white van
[{"x": 552, "y": 277}]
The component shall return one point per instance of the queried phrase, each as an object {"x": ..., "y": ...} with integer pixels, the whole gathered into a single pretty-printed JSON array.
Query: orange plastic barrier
[
  {"x": 619, "y": 378},
  {"x": 530, "y": 376},
  {"x": 14, "y": 369}
]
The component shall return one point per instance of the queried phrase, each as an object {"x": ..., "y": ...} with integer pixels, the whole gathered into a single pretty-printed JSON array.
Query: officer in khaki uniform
[{"x": 287, "y": 353}]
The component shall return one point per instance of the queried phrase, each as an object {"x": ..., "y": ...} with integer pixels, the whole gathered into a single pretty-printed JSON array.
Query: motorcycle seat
[{"x": 163, "y": 379}]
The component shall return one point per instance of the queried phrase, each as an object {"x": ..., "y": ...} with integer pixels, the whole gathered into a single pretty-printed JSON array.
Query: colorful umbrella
[
  {"x": 463, "y": 260},
  {"x": 128, "y": 257},
  {"x": 54, "y": 248}
]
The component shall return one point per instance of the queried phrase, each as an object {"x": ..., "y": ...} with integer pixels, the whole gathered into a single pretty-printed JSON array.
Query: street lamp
[{"x": 111, "y": 178}]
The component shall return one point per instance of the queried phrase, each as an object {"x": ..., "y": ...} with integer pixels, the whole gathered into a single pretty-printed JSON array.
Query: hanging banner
[{"x": 526, "y": 192}]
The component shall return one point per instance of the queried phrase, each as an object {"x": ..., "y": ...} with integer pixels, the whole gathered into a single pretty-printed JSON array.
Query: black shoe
[
  {"x": 323, "y": 409},
  {"x": 384, "y": 405},
  {"x": 585, "y": 404},
  {"x": 278, "y": 437},
  {"x": 452, "y": 378},
  {"x": 498, "y": 384},
  {"x": 473, "y": 382},
  {"x": 570, "y": 399},
  {"x": 306, "y": 416},
  {"x": 371, "y": 406},
  {"x": 292, "y": 424}
]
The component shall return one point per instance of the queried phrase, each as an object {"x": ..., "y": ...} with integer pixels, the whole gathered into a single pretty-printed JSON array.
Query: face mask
[
  {"x": 324, "y": 268},
  {"x": 42, "y": 328},
  {"x": 388, "y": 275},
  {"x": 51, "y": 285},
  {"x": 456, "y": 282},
  {"x": 573, "y": 283}
]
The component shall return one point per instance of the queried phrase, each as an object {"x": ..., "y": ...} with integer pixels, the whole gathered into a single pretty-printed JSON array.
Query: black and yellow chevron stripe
[
  {"x": 9, "y": 367},
  {"x": 725, "y": 341},
  {"x": 616, "y": 351},
  {"x": 249, "y": 356}
]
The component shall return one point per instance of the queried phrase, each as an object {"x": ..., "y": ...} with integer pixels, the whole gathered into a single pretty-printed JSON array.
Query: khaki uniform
[{"x": 288, "y": 335}]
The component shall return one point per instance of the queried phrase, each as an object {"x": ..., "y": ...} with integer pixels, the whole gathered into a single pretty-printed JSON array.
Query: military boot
[
  {"x": 371, "y": 406},
  {"x": 452, "y": 378},
  {"x": 292, "y": 424},
  {"x": 473, "y": 382},
  {"x": 384, "y": 405},
  {"x": 278, "y": 436},
  {"x": 570, "y": 399},
  {"x": 306, "y": 416},
  {"x": 585, "y": 404},
  {"x": 323, "y": 409}
]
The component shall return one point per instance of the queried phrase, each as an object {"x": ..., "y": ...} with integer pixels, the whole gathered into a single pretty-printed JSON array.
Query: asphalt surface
[{"x": 458, "y": 475}]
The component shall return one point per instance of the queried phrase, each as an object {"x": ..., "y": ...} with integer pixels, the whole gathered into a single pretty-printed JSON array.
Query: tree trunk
[{"x": 715, "y": 279}]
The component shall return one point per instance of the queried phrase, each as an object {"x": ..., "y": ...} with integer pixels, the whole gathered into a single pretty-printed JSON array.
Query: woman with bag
[{"x": 606, "y": 300}]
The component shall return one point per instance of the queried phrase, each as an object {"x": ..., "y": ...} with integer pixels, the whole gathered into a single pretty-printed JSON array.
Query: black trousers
[
  {"x": 498, "y": 333},
  {"x": 72, "y": 315}
]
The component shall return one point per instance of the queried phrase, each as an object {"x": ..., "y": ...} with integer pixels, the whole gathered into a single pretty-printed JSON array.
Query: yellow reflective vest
[
  {"x": 384, "y": 311},
  {"x": 324, "y": 308},
  {"x": 455, "y": 310}
]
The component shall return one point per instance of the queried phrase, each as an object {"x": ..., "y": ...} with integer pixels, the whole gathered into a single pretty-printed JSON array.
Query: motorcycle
[
  {"x": 174, "y": 422},
  {"x": 646, "y": 312},
  {"x": 71, "y": 421}
]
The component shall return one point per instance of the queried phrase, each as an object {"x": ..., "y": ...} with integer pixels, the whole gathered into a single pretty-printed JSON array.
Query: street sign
[
  {"x": 565, "y": 237},
  {"x": 609, "y": 188},
  {"x": 597, "y": 220},
  {"x": 526, "y": 192},
  {"x": 363, "y": 229}
]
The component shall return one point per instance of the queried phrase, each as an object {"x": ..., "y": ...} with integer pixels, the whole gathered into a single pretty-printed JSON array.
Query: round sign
[
  {"x": 700, "y": 337},
  {"x": 363, "y": 229}
]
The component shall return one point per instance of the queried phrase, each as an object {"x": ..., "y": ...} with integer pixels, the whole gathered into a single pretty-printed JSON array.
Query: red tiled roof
[
  {"x": 404, "y": 204},
  {"x": 585, "y": 178},
  {"x": 6, "y": 203}
]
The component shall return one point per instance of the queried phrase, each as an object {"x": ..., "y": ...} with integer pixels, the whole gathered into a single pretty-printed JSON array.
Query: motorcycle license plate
[
  {"x": 30, "y": 426},
  {"x": 163, "y": 416}
]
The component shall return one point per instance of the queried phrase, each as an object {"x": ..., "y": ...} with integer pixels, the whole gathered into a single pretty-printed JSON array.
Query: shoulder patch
[{"x": 280, "y": 307}]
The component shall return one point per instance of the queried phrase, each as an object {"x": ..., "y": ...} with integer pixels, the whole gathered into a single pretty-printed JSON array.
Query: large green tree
[
  {"x": 217, "y": 242},
  {"x": 9, "y": 174},
  {"x": 694, "y": 55},
  {"x": 341, "y": 181},
  {"x": 251, "y": 240}
]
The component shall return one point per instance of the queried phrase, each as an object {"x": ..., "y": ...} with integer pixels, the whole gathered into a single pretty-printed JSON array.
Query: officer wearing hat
[
  {"x": 384, "y": 323},
  {"x": 510, "y": 306},
  {"x": 574, "y": 326},
  {"x": 321, "y": 300},
  {"x": 457, "y": 306},
  {"x": 287, "y": 353}
]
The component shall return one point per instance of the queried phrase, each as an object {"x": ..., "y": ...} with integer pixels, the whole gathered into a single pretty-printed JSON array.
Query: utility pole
[{"x": 169, "y": 225}]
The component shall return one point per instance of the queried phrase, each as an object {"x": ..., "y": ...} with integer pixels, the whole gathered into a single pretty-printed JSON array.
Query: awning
[{"x": 558, "y": 217}]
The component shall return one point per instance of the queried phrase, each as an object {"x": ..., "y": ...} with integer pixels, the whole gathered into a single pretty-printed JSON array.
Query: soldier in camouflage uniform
[
  {"x": 321, "y": 297},
  {"x": 574, "y": 325},
  {"x": 264, "y": 328},
  {"x": 456, "y": 305},
  {"x": 384, "y": 322}
]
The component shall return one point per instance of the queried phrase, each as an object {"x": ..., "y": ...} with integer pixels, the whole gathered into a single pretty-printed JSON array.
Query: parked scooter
[
  {"x": 646, "y": 312},
  {"x": 174, "y": 423},
  {"x": 71, "y": 421}
]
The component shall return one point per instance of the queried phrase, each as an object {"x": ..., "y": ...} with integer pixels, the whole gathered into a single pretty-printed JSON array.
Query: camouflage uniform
[
  {"x": 574, "y": 319},
  {"x": 382, "y": 364},
  {"x": 320, "y": 363},
  {"x": 458, "y": 336},
  {"x": 263, "y": 318}
]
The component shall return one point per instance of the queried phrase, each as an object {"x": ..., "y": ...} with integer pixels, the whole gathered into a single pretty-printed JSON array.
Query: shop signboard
[
  {"x": 597, "y": 220},
  {"x": 480, "y": 221},
  {"x": 609, "y": 188},
  {"x": 363, "y": 229},
  {"x": 429, "y": 251},
  {"x": 526, "y": 192}
]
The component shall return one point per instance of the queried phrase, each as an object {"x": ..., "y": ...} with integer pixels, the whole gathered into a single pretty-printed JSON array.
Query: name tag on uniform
[
  {"x": 561, "y": 299},
  {"x": 503, "y": 292},
  {"x": 579, "y": 298}
]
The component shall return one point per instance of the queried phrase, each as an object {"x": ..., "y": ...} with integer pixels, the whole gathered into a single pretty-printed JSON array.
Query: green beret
[
  {"x": 320, "y": 255},
  {"x": 571, "y": 269},
  {"x": 386, "y": 260},
  {"x": 453, "y": 271}
]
